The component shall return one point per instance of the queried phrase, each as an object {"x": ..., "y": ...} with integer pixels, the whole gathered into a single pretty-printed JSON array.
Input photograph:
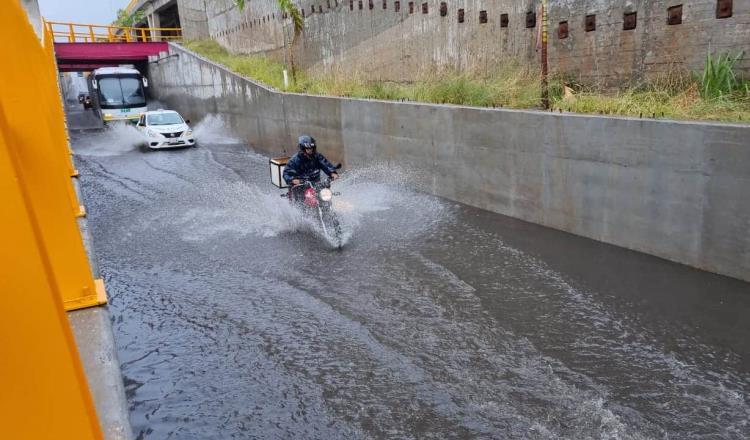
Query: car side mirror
[
  {"x": 337, "y": 166},
  {"x": 187, "y": 121}
]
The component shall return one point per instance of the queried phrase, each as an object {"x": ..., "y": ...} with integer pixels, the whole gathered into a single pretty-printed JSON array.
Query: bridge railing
[
  {"x": 92, "y": 33},
  {"x": 131, "y": 6}
]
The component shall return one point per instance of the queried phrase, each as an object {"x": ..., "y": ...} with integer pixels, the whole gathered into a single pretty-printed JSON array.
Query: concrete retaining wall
[
  {"x": 374, "y": 40},
  {"x": 678, "y": 190}
]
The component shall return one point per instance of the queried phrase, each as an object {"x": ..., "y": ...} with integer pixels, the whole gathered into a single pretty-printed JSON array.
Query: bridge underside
[{"x": 89, "y": 56}]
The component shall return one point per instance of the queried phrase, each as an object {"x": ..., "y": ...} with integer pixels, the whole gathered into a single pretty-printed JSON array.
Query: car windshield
[{"x": 164, "y": 119}]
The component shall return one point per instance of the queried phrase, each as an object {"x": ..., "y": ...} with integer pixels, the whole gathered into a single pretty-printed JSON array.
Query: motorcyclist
[{"x": 307, "y": 164}]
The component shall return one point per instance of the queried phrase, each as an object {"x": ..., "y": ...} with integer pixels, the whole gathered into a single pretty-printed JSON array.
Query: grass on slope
[{"x": 676, "y": 96}]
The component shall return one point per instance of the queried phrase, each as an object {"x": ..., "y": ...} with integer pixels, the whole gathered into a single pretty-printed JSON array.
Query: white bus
[{"x": 118, "y": 93}]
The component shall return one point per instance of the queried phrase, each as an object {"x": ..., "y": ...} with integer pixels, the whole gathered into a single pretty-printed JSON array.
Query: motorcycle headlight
[{"x": 326, "y": 195}]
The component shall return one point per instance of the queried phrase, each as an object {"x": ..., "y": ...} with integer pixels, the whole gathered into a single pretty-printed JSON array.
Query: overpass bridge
[{"x": 82, "y": 47}]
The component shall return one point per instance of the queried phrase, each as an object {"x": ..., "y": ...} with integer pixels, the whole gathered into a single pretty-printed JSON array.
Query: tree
[
  {"x": 288, "y": 8},
  {"x": 129, "y": 20}
]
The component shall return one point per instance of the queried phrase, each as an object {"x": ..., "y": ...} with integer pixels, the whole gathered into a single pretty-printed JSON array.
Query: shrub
[{"x": 718, "y": 78}]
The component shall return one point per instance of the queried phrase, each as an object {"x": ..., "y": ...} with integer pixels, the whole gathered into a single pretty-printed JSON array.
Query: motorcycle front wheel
[{"x": 331, "y": 227}]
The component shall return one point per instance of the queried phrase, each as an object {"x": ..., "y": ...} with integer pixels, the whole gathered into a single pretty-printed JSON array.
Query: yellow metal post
[
  {"x": 143, "y": 35},
  {"x": 54, "y": 114},
  {"x": 44, "y": 390},
  {"x": 91, "y": 33},
  {"x": 109, "y": 34},
  {"x": 38, "y": 146},
  {"x": 71, "y": 34}
]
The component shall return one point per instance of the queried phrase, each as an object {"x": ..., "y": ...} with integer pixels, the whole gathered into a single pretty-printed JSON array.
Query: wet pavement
[{"x": 234, "y": 318}]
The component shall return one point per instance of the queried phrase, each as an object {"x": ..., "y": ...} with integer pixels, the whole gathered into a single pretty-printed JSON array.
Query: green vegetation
[
  {"x": 287, "y": 7},
  {"x": 718, "y": 78},
  {"x": 128, "y": 20},
  {"x": 258, "y": 68},
  {"x": 710, "y": 97},
  {"x": 717, "y": 95}
]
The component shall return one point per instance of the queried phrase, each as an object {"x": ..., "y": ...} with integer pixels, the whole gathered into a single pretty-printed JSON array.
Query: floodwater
[{"x": 234, "y": 318}]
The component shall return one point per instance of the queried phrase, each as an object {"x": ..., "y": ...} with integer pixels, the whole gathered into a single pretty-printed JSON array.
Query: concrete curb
[{"x": 96, "y": 347}]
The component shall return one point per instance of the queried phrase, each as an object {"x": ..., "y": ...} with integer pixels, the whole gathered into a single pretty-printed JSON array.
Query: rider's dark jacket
[{"x": 300, "y": 166}]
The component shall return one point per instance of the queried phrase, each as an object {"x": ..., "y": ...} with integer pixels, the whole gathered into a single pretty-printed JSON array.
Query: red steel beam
[
  {"x": 83, "y": 67},
  {"x": 99, "y": 52}
]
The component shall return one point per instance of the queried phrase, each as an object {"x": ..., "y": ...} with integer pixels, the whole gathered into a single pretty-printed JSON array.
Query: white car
[{"x": 165, "y": 129}]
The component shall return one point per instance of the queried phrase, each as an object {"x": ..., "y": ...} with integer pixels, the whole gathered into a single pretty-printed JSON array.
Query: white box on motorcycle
[{"x": 277, "y": 165}]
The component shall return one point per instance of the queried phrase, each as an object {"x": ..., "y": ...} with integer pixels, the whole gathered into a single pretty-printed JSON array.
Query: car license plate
[
  {"x": 124, "y": 110},
  {"x": 173, "y": 141}
]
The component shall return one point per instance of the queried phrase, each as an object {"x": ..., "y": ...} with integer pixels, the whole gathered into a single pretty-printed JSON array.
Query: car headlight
[
  {"x": 189, "y": 133},
  {"x": 152, "y": 133},
  {"x": 326, "y": 195}
]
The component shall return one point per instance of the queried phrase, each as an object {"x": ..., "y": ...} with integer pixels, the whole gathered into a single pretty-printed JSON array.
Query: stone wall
[
  {"x": 678, "y": 190},
  {"x": 372, "y": 38},
  {"x": 611, "y": 55},
  {"x": 193, "y": 19}
]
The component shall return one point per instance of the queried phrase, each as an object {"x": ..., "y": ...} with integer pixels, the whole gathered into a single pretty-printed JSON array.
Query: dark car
[{"x": 84, "y": 99}]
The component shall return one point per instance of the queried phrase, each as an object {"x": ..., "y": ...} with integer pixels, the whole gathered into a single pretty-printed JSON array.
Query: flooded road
[{"x": 235, "y": 319}]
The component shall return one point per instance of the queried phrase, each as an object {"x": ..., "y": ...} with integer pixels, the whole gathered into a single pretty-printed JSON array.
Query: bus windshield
[{"x": 121, "y": 92}]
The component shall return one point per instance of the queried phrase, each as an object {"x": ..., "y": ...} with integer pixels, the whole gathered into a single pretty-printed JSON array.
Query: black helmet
[{"x": 306, "y": 141}]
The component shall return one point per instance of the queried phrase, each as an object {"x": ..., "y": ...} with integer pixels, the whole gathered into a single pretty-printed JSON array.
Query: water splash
[
  {"x": 238, "y": 208},
  {"x": 367, "y": 209},
  {"x": 212, "y": 130},
  {"x": 381, "y": 201},
  {"x": 114, "y": 140}
]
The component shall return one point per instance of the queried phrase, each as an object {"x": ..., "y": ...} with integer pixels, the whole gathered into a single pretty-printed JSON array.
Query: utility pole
[{"x": 545, "y": 89}]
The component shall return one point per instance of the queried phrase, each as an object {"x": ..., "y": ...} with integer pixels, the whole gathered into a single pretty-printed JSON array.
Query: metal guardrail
[{"x": 93, "y": 33}]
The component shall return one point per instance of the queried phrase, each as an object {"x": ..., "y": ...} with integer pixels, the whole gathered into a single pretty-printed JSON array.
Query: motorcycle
[{"x": 316, "y": 200}]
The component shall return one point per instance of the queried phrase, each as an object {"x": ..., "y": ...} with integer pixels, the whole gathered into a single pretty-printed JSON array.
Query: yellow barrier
[
  {"x": 44, "y": 390},
  {"x": 63, "y": 32},
  {"x": 37, "y": 137},
  {"x": 55, "y": 115}
]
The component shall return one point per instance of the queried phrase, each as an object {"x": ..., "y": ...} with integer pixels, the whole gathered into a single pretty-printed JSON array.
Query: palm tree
[{"x": 288, "y": 8}]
